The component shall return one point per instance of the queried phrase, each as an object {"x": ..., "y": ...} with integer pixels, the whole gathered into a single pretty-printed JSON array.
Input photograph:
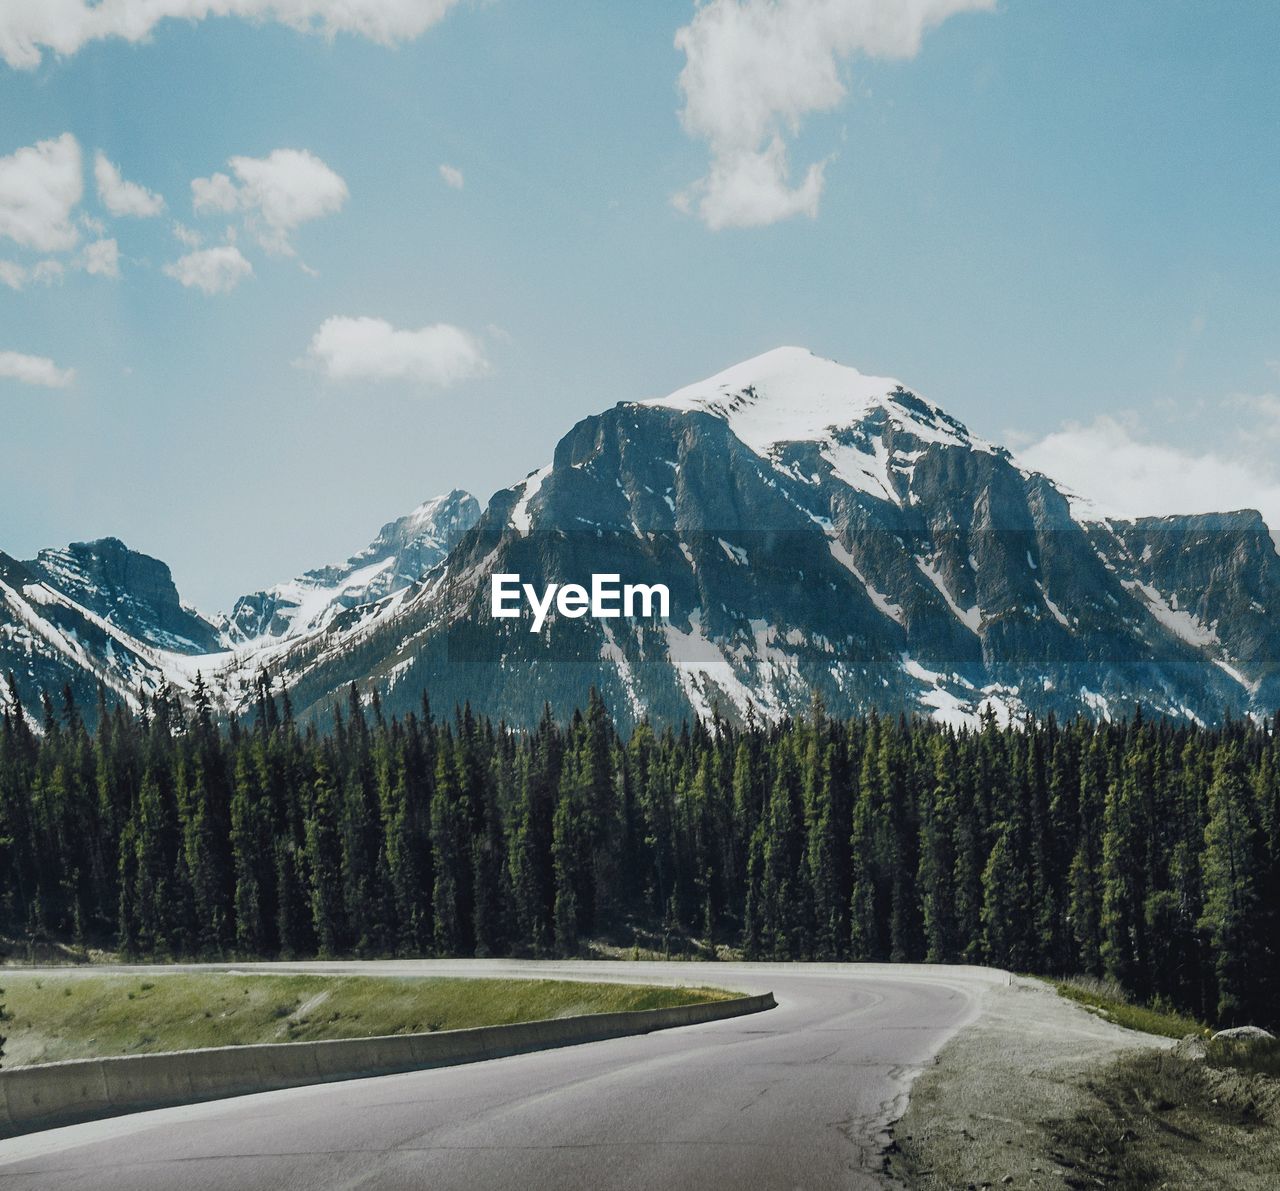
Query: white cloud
[
  {"x": 372, "y": 349},
  {"x": 28, "y": 28},
  {"x": 40, "y": 187},
  {"x": 187, "y": 237},
  {"x": 213, "y": 270},
  {"x": 278, "y": 193},
  {"x": 1120, "y": 475},
  {"x": 102, "y": 259},
  {"x": 217, "y": 193},
  {"x": 46, "y": 272},
  {"x": 755, "y": 68},
  {"x": 120, "y": 197},
  {"x": 13, "y": 275},
  {"x": 452, "y": 176},
  {"x": 34, "y": 370}
]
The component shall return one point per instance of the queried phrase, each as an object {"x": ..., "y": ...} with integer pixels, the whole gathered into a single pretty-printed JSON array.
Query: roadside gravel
[{"x": 975, "y": 1116}]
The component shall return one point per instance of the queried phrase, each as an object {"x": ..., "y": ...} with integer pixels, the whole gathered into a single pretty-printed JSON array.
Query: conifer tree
[{"x": 1233, "y": 868}]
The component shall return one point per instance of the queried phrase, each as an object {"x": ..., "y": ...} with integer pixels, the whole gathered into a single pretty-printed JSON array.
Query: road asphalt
[{"x": 799, "y": 1096}]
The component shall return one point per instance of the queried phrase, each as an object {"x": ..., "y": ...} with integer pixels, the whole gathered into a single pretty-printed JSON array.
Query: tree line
[{"x": 1145, "y": 851}]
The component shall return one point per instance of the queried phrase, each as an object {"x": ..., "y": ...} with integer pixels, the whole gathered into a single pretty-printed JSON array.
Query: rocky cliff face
[
  {"x": 49, "y": 642},
  {"x": 132, "y": 591},
  {"x": 1213, "y": 581}
]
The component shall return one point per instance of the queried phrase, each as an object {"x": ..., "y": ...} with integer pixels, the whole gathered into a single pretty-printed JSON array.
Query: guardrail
[{"x": 53, "y": 1094}]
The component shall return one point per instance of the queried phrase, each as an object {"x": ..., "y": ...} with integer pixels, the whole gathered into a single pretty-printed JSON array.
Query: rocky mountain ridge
[{"x": 819, "y": 530}]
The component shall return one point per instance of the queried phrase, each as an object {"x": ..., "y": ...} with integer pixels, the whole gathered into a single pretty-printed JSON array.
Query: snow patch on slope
[
  {"x": 879, "y": 599},
  {"x": 520, "y": 514},
  {"x": 1178, "y": 621},
  {"x": 971, "y": 618}
]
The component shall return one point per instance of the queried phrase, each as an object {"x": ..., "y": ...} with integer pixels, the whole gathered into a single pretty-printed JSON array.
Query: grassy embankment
[
  {"x": 1107, "y": 1000},
  {"x": 1201, "y": 1115},
  {"x": 54, "y": 1017}
]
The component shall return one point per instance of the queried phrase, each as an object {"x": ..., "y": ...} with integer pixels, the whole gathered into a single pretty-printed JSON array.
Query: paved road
[{"x": 799, "y": 1096}]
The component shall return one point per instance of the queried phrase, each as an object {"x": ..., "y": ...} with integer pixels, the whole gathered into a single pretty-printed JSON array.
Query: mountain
[
  {"x": 1212, "y": 580},
  {"x": 116, "y": 635},
  {"x": 403, "y": 550},
  {"x": 99, "y": 614},
  {"x": 128, "y": 590},
  {"x": 819, "y": 530}
]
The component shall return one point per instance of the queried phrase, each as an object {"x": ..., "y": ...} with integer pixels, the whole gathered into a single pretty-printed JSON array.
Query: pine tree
[
  {"x": 936, "y": 877},
  {"x": 451, "y": 860},
  {"x": 1084, "y": 878},
  {"x": 1234, "y": 918},
  {"x": 1125, "y": 953},
  {"x": 785, "y": 902},
  {"x": 324, "y": 860}
]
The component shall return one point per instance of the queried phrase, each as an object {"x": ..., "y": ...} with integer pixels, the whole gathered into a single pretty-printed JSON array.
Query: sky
[{"x": 273, "y": 272}]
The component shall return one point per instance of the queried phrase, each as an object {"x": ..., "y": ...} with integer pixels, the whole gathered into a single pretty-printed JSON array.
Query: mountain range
[{"x": 819, "y": 530}]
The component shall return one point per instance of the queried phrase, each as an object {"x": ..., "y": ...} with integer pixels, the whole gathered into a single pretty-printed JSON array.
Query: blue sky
[{"x": 1055, "y": 220}]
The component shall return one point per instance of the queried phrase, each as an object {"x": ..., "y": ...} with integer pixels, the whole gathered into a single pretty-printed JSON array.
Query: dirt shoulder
[
  {"x": 978, "y": 1116},
  {"x": 1040, "y": 1093}
]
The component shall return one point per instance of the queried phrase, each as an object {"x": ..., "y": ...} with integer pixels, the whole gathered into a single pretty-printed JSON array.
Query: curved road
[{"x": 799, "y": 1096}]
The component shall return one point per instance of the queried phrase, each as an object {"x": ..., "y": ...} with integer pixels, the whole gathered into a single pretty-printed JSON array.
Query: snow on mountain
[
  {"x": 129, "y": 590},
  {"x": 49, "y": 642},
  {"x": 789, "y": 395},
  {"x": 98, "y": 613},
  {"x": 820, "y": 530},
  {"x": 404, "y": 550}
]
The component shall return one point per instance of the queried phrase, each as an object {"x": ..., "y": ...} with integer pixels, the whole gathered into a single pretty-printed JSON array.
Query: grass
[
  {"x": 1108, "y": 1000},
  {"x": 1160, "y": 1119},
  {"x": 1157, "y": 1120},
  {"x": 1259, "y": 1056},
  {"x": 76, "y": 1017}
]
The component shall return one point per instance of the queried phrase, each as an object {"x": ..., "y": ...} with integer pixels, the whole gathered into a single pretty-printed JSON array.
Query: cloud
[
  {"x": 452, "y": 176},
  {"x": 213, "y": 270},
  {"x": 40, "y": 187},
  {"x": 755, "y": 68},
  {"x": 278, "y": 193},
  {"x": 44, "y": 272},
  {"x": 120, "y": 197},
  {"x": 217, "y": 193},
  {"x": 29, "y": 28},
  {"x": 34, "y": 370},
  {"x": 372, "y": 349},
  {"x": 1120, "y": 475},
  {"x": 99, "y": 259},
  {"x": 102, "y": 259}
]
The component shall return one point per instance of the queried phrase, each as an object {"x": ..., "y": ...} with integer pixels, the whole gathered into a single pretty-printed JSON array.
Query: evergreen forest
[{"x": 1144, "y": 851}]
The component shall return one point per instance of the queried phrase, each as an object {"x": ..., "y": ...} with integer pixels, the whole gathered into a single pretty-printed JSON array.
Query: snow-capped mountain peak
[
  {"x": 791, "y": 395},
  {"x": 867, "y": 428},
  {"x": 401, "y": 553}
]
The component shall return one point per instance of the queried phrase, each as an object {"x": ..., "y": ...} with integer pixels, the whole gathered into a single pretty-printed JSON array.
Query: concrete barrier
[{"x": 53, "y": 1094}]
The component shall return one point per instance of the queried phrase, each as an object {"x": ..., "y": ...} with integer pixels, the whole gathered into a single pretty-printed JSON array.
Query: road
[{"x": 799, "y": 1096}]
